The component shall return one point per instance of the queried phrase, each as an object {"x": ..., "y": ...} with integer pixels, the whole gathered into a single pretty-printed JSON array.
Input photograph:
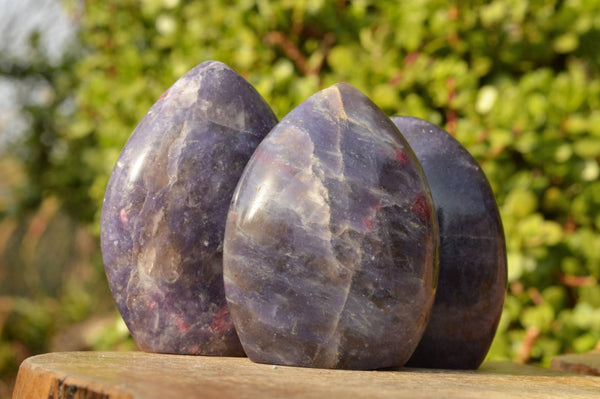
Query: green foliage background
[{"x": 517, "y": 82}]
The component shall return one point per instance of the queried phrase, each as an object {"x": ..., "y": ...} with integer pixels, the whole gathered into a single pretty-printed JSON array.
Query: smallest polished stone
[
  {"x": 330, "y": 254},
  {"x": 472, "y": 280}
]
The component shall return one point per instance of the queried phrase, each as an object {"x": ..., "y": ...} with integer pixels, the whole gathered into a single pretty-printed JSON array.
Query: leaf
[
  {"x": 520, "y": 203},
  {"x": 540, "y": 316},
  {"x": 566, "y": 43}
]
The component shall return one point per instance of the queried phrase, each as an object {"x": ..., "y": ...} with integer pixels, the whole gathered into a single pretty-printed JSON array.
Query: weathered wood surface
[
  {"x": 120, "y": 375},
  {"x": 579, "y": 363}
]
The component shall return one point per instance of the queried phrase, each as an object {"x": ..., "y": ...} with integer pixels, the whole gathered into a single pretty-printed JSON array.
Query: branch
[
  {"x": 289, "y": 48},
  {"x": 577, "y": 281},
  {"x": 293, "y": 52},
  {"x": 531, "y": 335}
]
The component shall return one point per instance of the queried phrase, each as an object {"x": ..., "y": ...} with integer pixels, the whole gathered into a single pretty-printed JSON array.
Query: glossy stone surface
[
  {"x": 472, "y": 279},
  {"x": 165, "y": 208},
  {"x": 330, "y": 253}
]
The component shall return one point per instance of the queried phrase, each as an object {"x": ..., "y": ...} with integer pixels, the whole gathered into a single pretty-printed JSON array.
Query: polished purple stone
[
  {"x": 330, "y": 254},
  {"x": 472, "y": 279},
  {"x": 165, "y": 208}
]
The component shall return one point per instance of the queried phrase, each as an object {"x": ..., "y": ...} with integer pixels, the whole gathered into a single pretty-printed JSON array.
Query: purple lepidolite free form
[
  {"x": 330, "y": 255},
  {"x": 472, "y": 280},
  {"x": 165, "y": 208}
]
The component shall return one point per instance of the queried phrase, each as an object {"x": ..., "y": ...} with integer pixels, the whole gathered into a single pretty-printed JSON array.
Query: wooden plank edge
[
  {"x": 36, "y": 382},
  {"x": 578, "y": 363}
]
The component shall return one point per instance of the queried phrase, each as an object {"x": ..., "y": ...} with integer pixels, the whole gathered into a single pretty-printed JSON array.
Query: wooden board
[
  {"x": 120, "y": 375},
  {"x": 579, "y": 363}
]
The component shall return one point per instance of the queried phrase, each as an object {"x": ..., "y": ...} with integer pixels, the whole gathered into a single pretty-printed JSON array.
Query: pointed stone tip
[
  {"x": 209, "y": 67},
  {"x": 344, "y": 87},
  {"x": 212, "y": 64},
  {"x": 347, "y": 91},
  {"x": 335, "y": 94},
  {"x": 208, "y": 63},
  {"x": 408, "y": 118}
]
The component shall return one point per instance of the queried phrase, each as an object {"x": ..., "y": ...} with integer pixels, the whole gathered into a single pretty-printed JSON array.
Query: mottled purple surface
[
  {"x": 165, "y": 208},
  {"x": 472, "y": 280},
  {"x": 330, "y": 255}
]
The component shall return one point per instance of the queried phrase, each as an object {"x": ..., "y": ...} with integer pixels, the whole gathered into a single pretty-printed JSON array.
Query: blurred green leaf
[
  {"x": 540, "y": 316},
  {"x": 566, "y": 43},
  {"x": 585, "y": 343},
  {"x": 520, "y": 203}
]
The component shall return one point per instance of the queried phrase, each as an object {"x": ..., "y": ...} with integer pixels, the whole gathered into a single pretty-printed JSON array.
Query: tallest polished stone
[
  {"x": 165, "y": 207},
  {"x": 331, "y": 240}
]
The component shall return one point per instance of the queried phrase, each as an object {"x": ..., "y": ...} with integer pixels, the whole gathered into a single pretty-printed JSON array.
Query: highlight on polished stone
[
  {"x": 164, "y": 212},
  {"x": 330, "y": 255},
  {"x": 472, "y": 279}
]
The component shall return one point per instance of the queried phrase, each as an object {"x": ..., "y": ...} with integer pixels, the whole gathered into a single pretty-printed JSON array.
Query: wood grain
[
  {"x": 133, "y": 375},
  {"x": 579, "y": 363}
]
